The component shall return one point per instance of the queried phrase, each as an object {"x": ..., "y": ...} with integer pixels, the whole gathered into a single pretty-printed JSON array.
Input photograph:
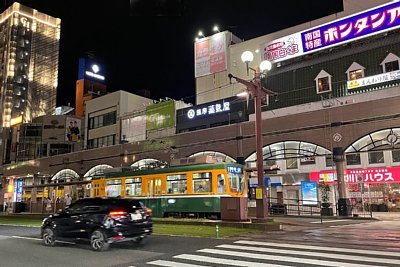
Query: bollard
[{"x": 217, "y": 230}]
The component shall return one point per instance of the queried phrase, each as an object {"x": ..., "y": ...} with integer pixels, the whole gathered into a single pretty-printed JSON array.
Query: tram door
[
  {"x": 152, "y": 201},
  {"x": 153, "y": 187}
]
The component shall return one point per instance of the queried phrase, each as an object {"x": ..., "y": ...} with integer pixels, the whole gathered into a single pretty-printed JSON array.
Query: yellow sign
[
  {"x": 259, "y": 193},
  {"x": 16, "y": 120}
]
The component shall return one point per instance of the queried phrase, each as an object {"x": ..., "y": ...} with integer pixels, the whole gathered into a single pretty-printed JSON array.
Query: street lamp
[{"x": 255, "y": 88}]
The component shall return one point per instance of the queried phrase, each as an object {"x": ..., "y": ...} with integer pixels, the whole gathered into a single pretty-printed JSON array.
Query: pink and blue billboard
[{"x": 361, "y": 25}]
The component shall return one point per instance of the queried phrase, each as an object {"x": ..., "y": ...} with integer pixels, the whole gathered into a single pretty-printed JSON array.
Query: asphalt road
[{"x": 369, "y": 244}]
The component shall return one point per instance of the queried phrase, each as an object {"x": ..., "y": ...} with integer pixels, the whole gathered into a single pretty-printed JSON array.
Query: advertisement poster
[
  {"x": 210, "y": 55},
  {"x": 18, "y": 190},
  {"x": 160, "y": 115},
  {"x": 73, "y": 129},
  {"x": 309, "y": 193}
]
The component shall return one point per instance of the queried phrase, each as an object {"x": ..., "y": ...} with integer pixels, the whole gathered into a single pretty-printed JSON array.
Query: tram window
[
  {"x": 236, "y": 182},
  {"x": 113, "y": 188},
  {"x": 133, "y": 186},
  {"x": 202, "y": 182},
  {"x": 221, "y": 183},
  {"x": 177, "y": 184}
]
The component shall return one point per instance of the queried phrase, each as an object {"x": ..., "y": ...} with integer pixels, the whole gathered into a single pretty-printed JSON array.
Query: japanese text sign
[
  {"x": 369, "y": 175},
  {"x": 361, "y": 25}
]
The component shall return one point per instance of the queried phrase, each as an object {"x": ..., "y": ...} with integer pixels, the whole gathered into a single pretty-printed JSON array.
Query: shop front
[{"x": 369, "y": 189}]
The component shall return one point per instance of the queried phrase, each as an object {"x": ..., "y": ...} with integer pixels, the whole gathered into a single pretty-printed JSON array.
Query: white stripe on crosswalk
[
  {"x": 226, "y": 261},
  {"x": 283, "y": 258},
  {"x": 313, "y": 254},
  {"x": 331, "y": 221},
  {"x": 314, "y": 248},
  {"x": 174, "y": 264}
]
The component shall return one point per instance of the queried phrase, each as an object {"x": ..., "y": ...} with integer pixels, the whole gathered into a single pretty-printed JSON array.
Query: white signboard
[{"x": 380, "y": 78}]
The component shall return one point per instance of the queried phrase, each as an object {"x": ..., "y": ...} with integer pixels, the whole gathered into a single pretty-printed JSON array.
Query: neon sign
[{"x": 208, "y": 110}]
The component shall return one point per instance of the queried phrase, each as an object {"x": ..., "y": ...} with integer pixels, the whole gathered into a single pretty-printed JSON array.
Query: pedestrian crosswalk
[{"x": 273, "y": 254}]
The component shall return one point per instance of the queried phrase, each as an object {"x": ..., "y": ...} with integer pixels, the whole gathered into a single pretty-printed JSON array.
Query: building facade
[
  {"x": 343, "y": 96},
  {"x": 29, "y": 50}
]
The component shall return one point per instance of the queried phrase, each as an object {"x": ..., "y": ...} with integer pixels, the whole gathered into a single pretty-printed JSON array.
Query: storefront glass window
[
  {"x": 375, "y": 157},
  {"x": 291, "y": 164},
  {"x": 396, "y": 155},
  {"x": 353, "y": 159}
]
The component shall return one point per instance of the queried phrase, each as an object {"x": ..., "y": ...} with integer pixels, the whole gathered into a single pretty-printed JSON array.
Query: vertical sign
[
  {"x": 309, "y": 193},
  {"x": 18, "y": 190}
]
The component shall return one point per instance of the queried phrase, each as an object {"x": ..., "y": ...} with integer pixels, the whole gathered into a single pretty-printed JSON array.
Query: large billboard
[
  {"x": 73, "y": 129},
  {"x": 160, "y": 115},
  {"x": 360, "y": 25},
  {"x": 210, "y": 55}
]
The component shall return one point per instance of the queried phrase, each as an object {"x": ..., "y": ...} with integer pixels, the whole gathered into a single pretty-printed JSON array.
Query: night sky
[{"x": 148, "y": 44}]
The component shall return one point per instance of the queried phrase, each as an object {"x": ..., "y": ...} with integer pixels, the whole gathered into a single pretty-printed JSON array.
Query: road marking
[
  {"x": 313, "y": 254},
  {"x": 174, "y": 264},
  {"x": 25, "y": 237},
  {"x": 283, "y": 258},
  {"x": 330, "y": 249},
  {"x": 40, "y": 239},
  {"x": 331, "y": 221},
  {"x": 226, "y": 261}
]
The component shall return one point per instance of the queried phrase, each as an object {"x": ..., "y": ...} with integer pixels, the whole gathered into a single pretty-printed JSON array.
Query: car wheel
[
  {"x": 49, "y": 238},
  {"x": 98, "y": 241}
]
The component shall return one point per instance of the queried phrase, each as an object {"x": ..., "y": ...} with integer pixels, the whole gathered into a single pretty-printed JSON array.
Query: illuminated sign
[
  {"x": 361, "y": 25},
  {"x": 16, "y": 120},
  {"x": 380, "y": 78},
  {"x": 309, "y": 193},
  {"x": 88, "y": 69},
  {"x": 208, "y": 110},
  {"x": 369, "y": 175},
  {"x": 18, "y": 190},
  {"x": 95, "y": 74}
]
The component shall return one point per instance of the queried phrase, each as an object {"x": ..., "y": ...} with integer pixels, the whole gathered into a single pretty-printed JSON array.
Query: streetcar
[{"x": 184, "y": 191}]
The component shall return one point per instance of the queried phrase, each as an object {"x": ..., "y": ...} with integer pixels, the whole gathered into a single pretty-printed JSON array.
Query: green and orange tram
[{"x": 190, "y": 190}]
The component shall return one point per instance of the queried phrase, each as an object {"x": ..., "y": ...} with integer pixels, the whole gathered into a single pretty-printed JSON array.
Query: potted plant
[{"x": 325, "y": 190}]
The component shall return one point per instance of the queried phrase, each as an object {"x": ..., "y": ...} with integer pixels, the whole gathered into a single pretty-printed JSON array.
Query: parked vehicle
[{"x": 101, "y": 220}]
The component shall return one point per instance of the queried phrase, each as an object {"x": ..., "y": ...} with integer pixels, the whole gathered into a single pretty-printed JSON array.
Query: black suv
[{"x": 101, "y": 220}]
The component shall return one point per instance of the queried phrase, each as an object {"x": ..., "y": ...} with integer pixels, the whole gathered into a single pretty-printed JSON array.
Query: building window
[
  {"x": 392, "y": 66},
  {"x": 390, "y": 63},
  {"x": 329, "y": 161},
  {"x": 396, "y": 155},
  {"x": 323, "y": 82},
  {"x": 355, "y": 71},
  {"x": 355, "y": 74},
  {"x": 291, "y": 164},
  {"x": 103, "y": 120},
  {"x": 375, "y": 157},
  {"x": 323, "y": 85},
  {"x": 353, "y": 159},
  {"x": 101, "y": 141}
]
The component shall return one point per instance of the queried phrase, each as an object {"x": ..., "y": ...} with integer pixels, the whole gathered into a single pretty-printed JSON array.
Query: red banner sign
[{"x": 370, "y": 175}]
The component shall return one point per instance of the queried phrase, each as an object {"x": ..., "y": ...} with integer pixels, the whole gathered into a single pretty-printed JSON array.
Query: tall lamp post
[{"x": 259, "y": 93}]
